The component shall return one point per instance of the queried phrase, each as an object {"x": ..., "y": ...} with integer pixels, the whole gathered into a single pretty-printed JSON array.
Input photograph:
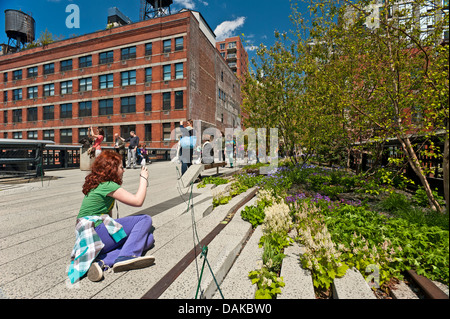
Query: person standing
[
  {"x": 132, "y": 148},
  {"x": 119, "y": 147},
  {"x": 186, "y": 151},
  {"x": 229, "y": 148},
  {"x": 102, "y": 242},
  {"x": 98, "y": 140}
]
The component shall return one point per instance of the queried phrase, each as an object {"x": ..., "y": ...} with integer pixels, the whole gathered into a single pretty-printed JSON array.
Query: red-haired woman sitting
[{"x": 103, "y": 242}]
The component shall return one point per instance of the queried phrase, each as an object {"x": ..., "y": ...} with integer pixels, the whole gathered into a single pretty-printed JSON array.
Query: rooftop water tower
[
  {"x": 20, "y": 29},
  {"x": 154, "y": 8}
]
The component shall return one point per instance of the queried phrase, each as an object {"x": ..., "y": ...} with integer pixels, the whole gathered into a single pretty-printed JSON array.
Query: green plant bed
[
  {"x": 372, "y": 222},
  {"x": 212, "y": 180}
]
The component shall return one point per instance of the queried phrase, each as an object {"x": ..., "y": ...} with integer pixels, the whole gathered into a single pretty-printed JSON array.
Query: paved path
[{"x": 37, "y": 227}]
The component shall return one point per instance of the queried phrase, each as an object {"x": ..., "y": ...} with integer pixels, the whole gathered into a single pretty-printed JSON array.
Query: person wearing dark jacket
[{"x": 132, "y": 148}]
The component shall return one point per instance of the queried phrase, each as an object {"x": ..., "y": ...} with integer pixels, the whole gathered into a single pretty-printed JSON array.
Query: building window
[
  {"x": 17, "y": 135},
  {"x": 32, "y": 72},
  {"x": 222, "y": 46},
  {"x": 128, "y": 104},
  {"x": 148, "y": 49},
  {"x": 179, "y": 44},
  {"x": 65, "y": 135},
  {"x": 66, "y": 87},
  {"x": 82, "y": 133},
  {"x": 166, "y": 72},
  {"x": 49, "y": 90},
  {"x": 49, "y": 68},
  {"x": 148, "y": 132},
  {"x": 106, "y": 81},
  {"x": 32, "y": 114},
  {"x": 32, "y": 92},
  {"x": 65, "y": 111},
  {"x": 5, "y": 117},
  {"x": 48, "y": 112},
  {"x": 128, "y": 78},
  {"x": 178, "y": 100},
  {"x": 85, "y": 61},
  {"x": 128, "y": 53},
  {"x": 178, "y": 70},
  {"x": 5, "y": 77},
  {"x": 85, "y": 109},
  {"x": 85, "y": 85},
  {"x": 17, "y": 116},
  {"x": 148, "y": 102},
  {"x": 106, "y": 57},
  {"x": 17, "y": 95},
  {"x": 167, "y": 46},
  {"x": 17, "y": 75},
  {"x": 148, "y": 74},
  {"x": 108, "y": 134},
  {"x": 32, "y": 135},
  {"x": 166, "y": 131},
  {"x": 66, "y": 65},
  {"x": 105, "y": 107},
  {"x": 126, "y": 129},
  {"x": 49, "y": 135},
  {"x": 5, "y": 96},
  {"x": 166, "y": 101}
]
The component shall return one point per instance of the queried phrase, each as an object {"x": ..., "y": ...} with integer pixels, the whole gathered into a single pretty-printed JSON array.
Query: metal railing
[
  {"x": 22, "y": 157},
  {"x": 33, "y": 157}
]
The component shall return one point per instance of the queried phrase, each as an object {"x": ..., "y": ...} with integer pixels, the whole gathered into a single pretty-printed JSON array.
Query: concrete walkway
[{"x": 37, "y": 229}]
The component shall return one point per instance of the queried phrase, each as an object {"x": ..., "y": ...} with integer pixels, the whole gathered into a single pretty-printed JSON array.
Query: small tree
[{"x": 391, "y": 72}]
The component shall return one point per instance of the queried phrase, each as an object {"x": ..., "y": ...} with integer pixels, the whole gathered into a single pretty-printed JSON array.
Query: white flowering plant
[
  {"x": 268, "y": 283},
  {"x": 320, "y": 253}
]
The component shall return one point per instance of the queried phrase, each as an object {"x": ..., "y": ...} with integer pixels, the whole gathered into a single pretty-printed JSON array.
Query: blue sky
[{"x": 257, "y": 20}]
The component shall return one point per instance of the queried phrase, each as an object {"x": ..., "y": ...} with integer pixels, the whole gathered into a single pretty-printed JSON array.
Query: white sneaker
[{"x": 130, "y": 263}]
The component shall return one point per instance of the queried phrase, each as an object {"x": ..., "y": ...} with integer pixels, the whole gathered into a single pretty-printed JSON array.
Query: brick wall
[{"x": 199, "y": 83}]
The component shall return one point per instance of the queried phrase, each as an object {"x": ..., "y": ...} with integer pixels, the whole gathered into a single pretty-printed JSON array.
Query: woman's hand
[
  {"x": 144, "y": 172},
  {"x": 137, "y": 199}
]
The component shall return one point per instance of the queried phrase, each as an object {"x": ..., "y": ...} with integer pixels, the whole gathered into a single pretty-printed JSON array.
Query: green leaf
[{"x": 262, "y": 294}]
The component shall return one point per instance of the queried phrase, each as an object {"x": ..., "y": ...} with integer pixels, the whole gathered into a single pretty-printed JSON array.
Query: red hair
[{"x": 104, "y": 169}]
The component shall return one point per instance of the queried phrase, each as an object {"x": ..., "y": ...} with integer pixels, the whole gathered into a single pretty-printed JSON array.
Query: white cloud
[
  {"x": 187, "y": 4},
  {"x": 226, "y": 28},
  {"x": 251, "y": 48}
]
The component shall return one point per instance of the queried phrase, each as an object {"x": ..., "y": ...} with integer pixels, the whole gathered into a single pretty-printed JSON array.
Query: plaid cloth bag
[{"x": 88, "y": 244}]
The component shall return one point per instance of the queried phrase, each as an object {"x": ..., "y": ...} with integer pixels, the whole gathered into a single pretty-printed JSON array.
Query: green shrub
[
  {"x": 255, "y": 214},
  {"x": 421, "y": 198},
  {"x": 212, "y": 180}
]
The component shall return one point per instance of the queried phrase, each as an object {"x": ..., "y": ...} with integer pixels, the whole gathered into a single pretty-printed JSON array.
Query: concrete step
[
  {"x": 352, "y": 286},
  {"x": 222, "y": 252},
  {"x": 236, "y": 284},
  {"x": 298, "y": 281},
  {"x": 402, "y": 291}
]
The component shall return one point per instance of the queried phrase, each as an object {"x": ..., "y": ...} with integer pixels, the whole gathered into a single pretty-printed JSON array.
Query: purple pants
[{"x": 139, "y": 239}]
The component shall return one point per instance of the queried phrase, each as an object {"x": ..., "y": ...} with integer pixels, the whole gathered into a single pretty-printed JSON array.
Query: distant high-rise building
[
  {"x": 232, "y": 50},
  {"x": 424, "y": 14}
]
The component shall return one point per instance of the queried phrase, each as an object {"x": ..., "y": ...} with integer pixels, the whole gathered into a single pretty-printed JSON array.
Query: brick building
[
  {"x": 232, "y": 50},
  {"x": 144, "y": 76}
]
